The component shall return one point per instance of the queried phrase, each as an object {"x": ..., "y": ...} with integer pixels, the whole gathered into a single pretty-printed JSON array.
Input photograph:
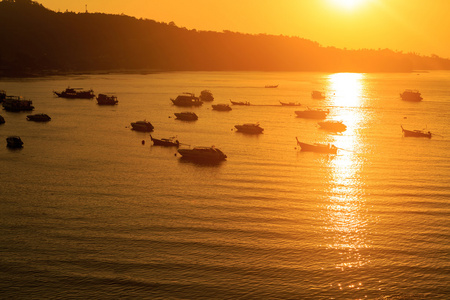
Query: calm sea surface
[{"x": 89, "y": 212}]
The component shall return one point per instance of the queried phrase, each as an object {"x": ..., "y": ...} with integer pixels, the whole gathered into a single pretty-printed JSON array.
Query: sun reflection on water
[{"x": 345, "y": 208}]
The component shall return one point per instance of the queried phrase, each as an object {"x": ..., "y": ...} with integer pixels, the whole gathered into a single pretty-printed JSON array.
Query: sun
[{"x": 348, "y": 4}]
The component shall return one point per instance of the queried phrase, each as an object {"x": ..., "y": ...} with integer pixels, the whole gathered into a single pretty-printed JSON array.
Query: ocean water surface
[{"x": 89, "y": 211}]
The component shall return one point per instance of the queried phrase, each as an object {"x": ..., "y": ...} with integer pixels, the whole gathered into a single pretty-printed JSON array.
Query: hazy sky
[{"x": 421, "y": 26}]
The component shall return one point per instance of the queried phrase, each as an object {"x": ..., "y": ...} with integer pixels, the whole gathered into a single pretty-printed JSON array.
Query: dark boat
[
  {"x": 206, "y": 95},
  {"x": 320, "y": 148},
  {"x": 142, "y": 126},
  {"x": 333, "y": 126},
  {"x": 39, "y": 118},
  {"x": 416, "y": 133},
  {"x": 411, "y": 95},
  {"x": 240, "y": 103},
  {"x": 312, "y": 113},
  {"x": 14, "y": 142},
  {"x": 251, "y": 128},
  {"x": 203, "y": 154},
  {"x": 271, "y": 86},
  {"x": 15, "y": 103},
  {"x": 103, "y": 99},
  {"x": 170, "y": 142},
  {"x": 187, "y": 99},
  {"x": 290, "y": 104},
  {"x": 186, "y": 116},
  {"x": 2, "y": 95},
  {"x": 76, "y": 93},
  {"x": 221, "y": 107},
  {"x": 2, "y": 120},
  {"x": 317, "y": 95}
]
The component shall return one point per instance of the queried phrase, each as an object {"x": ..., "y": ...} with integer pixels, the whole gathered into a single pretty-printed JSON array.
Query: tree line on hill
[{"x": 36, "y": 40}]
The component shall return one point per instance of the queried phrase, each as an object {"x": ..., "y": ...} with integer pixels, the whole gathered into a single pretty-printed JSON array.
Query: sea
[{"x": 90, "y": 209}]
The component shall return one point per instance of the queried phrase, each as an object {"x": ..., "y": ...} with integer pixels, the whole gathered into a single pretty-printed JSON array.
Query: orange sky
[{"x": 421, "y": 26}]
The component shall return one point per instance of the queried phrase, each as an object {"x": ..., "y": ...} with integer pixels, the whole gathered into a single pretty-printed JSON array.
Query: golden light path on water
[{"x": 345, "y": 220}]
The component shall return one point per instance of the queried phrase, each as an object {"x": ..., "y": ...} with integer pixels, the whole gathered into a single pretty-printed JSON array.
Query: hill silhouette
[{"x": 38, "y": 41}]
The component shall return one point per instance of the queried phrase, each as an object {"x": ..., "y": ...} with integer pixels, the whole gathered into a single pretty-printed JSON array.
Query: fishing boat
[
  {"x": 203, "y": 154},
  {"x": 170, "y": 142},
  {"x": 103, "y": 99},
  {"x": 289, "y": 103},
  {"x": 16, "y": 103},
  {"x": 39, "y": 118},
  {"x": 14, "y": 142},
  {"x": 320, "y": 148},
  {"x": 186, "y": 116},
  {"x": 411, "y": 95},
  {"x": 251, "y": 128},
  {"x": 332, "y": 125},
  {"x": 75, "y": 93},
  {"x": 317, "y": 95},
  {"x": 240, "y": 103},
  {"x": 312, "y": 113},
  {"x": 187, "y": 99},
  {"x": 143, "y": 126},
  {"x": 206, "y": 95},
  {"x": 416, "y": 133},
  {"x": 221, "y": 107}
]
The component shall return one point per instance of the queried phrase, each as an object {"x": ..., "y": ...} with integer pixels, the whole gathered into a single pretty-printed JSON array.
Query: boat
[
  {"x": 411, "y": 95},
  {"x": 144, "y": 126},
  {"x": 320, "y": 148},
  {"x": 206, "y": 95},
  {"x": 39, "y": 118},
  {"x": 103, "y": 99},
  {"x": 170, "y": 142},
  {"x": 221, "y": 107},
  {"x": 240, "y": 103},
  {"x": 14, "y": 142},
  {"x": 416, "y": 133},
  {"x": 75, "y": 93},
  {"x": 187, "y": 99},
  {"x": 332, "y": 125},
  {"x": 186, "y": 116},
  {"x": 289, "y": 104},
  {"x": 312, "y": 113},
  {"x": 16, "y": 103},
  {"x": 252, "y": 128},
  {"x": 271, "y": 86},
  {"x": 2, "y": 95},
  {"x": 2, "y": 120},
  {"x": 204, "y": 154},
  {"x": 317, "y": 95}
]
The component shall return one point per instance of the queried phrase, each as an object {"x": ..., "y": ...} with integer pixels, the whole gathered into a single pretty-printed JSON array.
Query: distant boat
[
  {"x": 170, "y": 142},
  {"x": 103, "y": 99},
  {"x": 271, "y": 86},
  {"x": 320, "y": 148},
  {"x": 334, "y": 126},
  {"x": 317, "y": 95},
  {"x": 187, "y": 99},
  {"x": 14, "y": 142},
  {"x": 312, "y": 113},
  {"x": 75, "y": 93},
  {"x": 186, "y": 116},
  {"x": 203, "y": 154},
  {"x": 144, "y": 126},
  {"x": 39, "y": 118},
  {"x": 252, "y": 128},
  {"x": 206, "y": 95},
  {"x": 289, "y": 103},
  {"x": 411, "y": 95},
  {"x": 239, "y": 103},
  {"x": 221, "y": 107},
  {"x": 2, "y": 120},
  {"x": 416, "y": 133},
  {"x": 15, "y": 103}
]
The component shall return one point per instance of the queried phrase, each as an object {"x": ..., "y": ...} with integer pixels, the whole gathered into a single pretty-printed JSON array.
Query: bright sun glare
[{"x": 349, "y": 4}]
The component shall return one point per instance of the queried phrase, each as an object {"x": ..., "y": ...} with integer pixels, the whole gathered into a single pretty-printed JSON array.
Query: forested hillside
[{"x": 39, "y": 41}]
